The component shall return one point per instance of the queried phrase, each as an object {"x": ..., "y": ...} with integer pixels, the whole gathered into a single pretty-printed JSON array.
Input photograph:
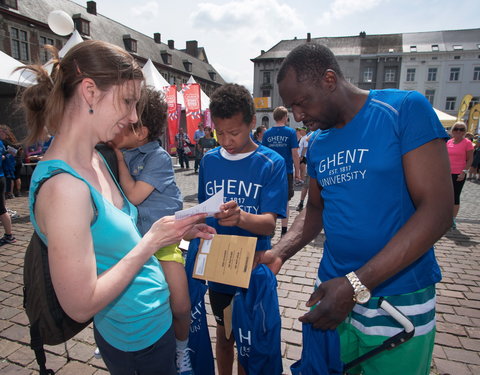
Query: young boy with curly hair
[{"x": 147, "y": 178}]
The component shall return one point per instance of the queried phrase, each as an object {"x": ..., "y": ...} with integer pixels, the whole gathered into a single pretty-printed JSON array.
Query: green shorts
[
  {"x": 170, "y": 253},
  {"x": 366, "y": 328}
]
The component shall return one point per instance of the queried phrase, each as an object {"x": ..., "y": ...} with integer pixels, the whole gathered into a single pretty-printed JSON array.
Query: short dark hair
[
  {"x": 154, "y": 115},
  {"x": 309, "y": 61},
  {"x": 231, "y": 99}
]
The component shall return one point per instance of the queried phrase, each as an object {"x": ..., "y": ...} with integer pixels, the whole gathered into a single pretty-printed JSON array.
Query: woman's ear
[{"x": 89, "y": 90}]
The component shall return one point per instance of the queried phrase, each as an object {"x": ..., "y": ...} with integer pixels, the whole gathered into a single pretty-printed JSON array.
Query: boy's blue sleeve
[{"x": 275, "y": 191}]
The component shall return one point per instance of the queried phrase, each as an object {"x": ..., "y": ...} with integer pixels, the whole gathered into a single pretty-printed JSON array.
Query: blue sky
[{"x": 235, "y": 31}]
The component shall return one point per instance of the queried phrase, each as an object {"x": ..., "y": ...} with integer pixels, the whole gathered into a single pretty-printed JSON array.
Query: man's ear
[{"x": 330, "y": 79}]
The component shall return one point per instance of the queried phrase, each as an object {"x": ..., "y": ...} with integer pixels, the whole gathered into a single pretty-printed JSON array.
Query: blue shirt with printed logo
[
  {"x": 282, "y": 139},
  {"x": 363, "y": 186},
  {"x": 151, "y": 164},
  {"x": 258, "y": 184}
]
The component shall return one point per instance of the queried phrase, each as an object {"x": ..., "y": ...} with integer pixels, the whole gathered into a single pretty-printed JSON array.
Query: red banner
[
  {"x": 173, "y": 117},
  {"x": 191, "y": 96}
]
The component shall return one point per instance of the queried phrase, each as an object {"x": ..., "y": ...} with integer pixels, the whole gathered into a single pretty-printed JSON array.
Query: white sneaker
[
  {"x": 97, "y": 354},
  {"x": 184, "y": 366}
]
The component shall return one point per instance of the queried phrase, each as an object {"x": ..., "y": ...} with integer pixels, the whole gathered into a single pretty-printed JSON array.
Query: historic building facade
[{"x": 442, "y": 65}]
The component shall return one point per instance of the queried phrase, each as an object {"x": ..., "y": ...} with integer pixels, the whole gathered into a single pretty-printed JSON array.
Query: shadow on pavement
[{"x": 460, "y": 238}]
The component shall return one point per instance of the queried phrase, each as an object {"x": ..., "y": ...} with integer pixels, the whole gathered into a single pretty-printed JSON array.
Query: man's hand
[
  {"x": 336, "y": 302},
  {"x": 268, "y": 258},
  {"x": 229, "y": 215}
]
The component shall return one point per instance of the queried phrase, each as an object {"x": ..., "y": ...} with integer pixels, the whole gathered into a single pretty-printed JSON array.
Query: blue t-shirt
[
  {"x": 141, "y": 314},
  {"x": 282, "y": 139},
  {"x": 366, "y": 199},
  {"x": 151, "y": 164},
  {"x": 258, "y": 184}
]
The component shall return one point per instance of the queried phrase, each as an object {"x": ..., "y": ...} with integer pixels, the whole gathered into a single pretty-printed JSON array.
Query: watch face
[{"x": 363, "y": 296}]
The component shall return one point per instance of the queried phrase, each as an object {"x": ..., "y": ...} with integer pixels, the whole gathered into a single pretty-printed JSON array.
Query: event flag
[
  {"x": 191, "y": 96},
  {"x": 173, "y": 118}
]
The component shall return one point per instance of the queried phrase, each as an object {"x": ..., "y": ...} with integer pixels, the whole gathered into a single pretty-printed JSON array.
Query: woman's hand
[
  {"x": 168, "y": 230},
  {"x": 200, "y": 231}
]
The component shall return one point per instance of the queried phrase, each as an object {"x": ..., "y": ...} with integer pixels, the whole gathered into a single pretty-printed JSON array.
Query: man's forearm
[{"x": 304, "y": 229}]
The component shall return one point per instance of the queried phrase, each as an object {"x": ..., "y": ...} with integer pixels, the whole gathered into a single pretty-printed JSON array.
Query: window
[
  {"x": 265, "y": 121},
  {"x": 450, "y": 103},
  {"x": 454, "y": 74},
  {"x": 435, "y": 47},
  {"x": 166, "y": 57},
  {"x": 266, "y": 93},
  {"x": 130, "y": 43},
  {"x": 457, "y": 57},
  {"x": 430, "y": 95},
  {"x": 368, "y": 75},
  {"x": 81, "y": 24},
  {"x": 187, "y": 65},
  {"x": 20, "y": 48},
  {"x": 411, "y": 74},
  {"x": 9, "y": 3},
  {"x": 389, "y": 75},
  {"x": 475, "y": 100},
  {"x": 432, "y": 74},
  {"x": 476, "y": 73},
  {"x": 434, "y": 57},
  {"x": 266, "y": 77},
  {"x": 413, "y": 48},
  {"x": 457, "y": 47},
  {"x": 44, "y": 55},
  {"x": 213, "y": 75}
]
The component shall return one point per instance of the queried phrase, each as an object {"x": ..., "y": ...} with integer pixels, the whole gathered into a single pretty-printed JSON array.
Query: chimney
[
  {"x": 192, "y": 48},
  {"x": 309, "y": 37},
  {"x": 92, "y": 7},
  {"x": 363, "y": 34},
  {"x": 157, "y": 37},
  {"x": 262, "y": 52},
  {"x": 171, "y": 44}
]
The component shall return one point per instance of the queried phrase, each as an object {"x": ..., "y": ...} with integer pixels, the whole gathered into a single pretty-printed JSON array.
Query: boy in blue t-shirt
[
  {"x": 254, "y": 181},
  {"x": 283, "y": 140},
  {"x": 147, "y": 178}
]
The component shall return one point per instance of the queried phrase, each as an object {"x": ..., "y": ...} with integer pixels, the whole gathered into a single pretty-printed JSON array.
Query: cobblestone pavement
[{"x": 458, "y": 330}]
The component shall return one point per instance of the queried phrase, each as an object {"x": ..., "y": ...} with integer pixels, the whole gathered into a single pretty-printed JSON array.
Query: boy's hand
[{"x": 229, "y": 215}]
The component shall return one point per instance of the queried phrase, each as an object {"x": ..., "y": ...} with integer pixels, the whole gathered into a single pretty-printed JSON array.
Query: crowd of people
[{"x": 380, "y": 182}]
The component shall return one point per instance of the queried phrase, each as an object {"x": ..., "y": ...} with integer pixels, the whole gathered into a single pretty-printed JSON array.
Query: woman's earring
[{"x": 90, "y": 110}]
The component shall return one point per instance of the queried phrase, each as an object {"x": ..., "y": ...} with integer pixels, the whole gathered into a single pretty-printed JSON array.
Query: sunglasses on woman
[{"x": 458, "y": 129}]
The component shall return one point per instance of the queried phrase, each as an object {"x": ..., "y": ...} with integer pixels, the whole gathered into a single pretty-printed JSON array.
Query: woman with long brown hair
[{"x": 100, "y": 266}]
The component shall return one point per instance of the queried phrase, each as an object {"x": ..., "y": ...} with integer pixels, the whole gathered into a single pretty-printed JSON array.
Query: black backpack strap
[{"x": 36, "y": 344}]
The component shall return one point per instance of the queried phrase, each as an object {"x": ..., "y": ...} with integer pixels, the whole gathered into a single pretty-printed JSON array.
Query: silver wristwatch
[{"x": 361, "y": 294}]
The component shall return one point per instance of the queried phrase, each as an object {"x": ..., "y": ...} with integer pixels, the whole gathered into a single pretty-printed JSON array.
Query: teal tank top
[{"x": 141, "y": 314}]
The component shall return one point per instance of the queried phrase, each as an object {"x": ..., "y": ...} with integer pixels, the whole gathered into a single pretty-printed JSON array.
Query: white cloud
[
  {"x": 247, "y": 20},
  {"x": 340, "y": 9},
  {"x": 148, "y": 11}
]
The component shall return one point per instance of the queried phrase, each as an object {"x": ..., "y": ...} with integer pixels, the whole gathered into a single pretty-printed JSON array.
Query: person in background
[
  {"x": 10, "y": 163},
  {"x": 100, "y": 265},
  {"x": 377, "y": 244},
  {"x": 199, "y": 133},
  {"x": 204, "y": 144},
  {"x": 4, "y": 216},
  {"x": 283, "y": 140},
  {"x": 460, "y": 153},
  {"x": 183, "y": 148},
  {"x": 257, "y": 135},
  {"x": 474, "y": 172}
]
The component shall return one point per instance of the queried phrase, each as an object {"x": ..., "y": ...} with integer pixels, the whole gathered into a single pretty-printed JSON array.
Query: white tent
[
  {"x": 155, "y": 79},
  {"x": 204, "y": 99},
  {"x": 447, "y": 120},
  {"x": 7, "y": 66}
]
